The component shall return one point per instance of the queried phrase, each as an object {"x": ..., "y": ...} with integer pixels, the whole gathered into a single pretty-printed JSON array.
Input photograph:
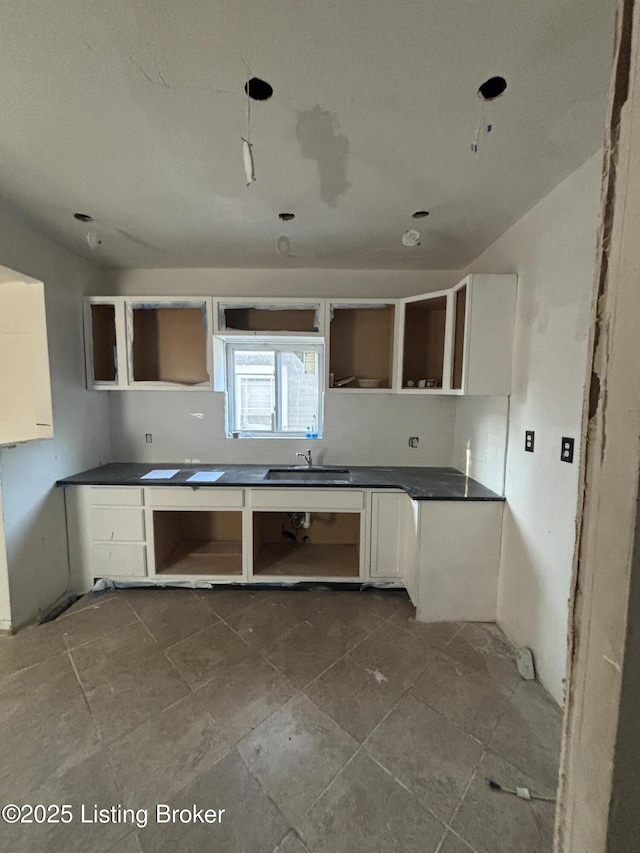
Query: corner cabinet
[
  {"x": 458, "y": 341},
  {"x": 148, "y": 343}
]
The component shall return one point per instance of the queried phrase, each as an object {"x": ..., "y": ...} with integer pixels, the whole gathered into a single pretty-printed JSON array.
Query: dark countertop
[{"x": 421, "y": 484}]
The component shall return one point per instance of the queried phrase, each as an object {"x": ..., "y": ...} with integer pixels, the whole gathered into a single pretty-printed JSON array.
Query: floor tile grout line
[
  {"x": 449, "y": 719},
  {"x": 289, "y": 823},
  {"x": 68, "y": 611},
  {"x": 108, "y": 633},
  {"x": 337, "y": 660},
  {"x": 86, "y": 700},
  {"x": 466, "y": 790},
  {"x": 333, "y": 778}
]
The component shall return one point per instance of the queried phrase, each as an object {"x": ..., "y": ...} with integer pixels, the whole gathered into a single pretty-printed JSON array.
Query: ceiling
[{"x": 133, "y": 111}]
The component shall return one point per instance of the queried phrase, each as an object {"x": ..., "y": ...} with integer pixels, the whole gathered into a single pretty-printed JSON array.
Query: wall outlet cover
[
  {"x": 567, "y": 448},
  {"x": 529, "y": 440}
]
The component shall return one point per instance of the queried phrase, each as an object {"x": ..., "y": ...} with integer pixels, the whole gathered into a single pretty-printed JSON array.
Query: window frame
[{"x": 278, "y": 345}]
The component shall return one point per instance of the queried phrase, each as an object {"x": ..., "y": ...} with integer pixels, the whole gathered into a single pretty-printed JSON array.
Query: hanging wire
[{"x": 247, "y": 148}]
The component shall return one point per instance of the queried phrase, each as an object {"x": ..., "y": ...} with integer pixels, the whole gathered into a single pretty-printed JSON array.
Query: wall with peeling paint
[
  {"x": 36, "y": 568},
  {"x": 552, "y": 249}
]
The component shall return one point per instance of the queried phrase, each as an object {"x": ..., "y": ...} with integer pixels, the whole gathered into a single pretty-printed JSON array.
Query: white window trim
[{"x": 271, "y": 345}]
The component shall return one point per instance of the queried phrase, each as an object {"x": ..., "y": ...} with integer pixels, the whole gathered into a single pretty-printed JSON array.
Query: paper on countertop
[
  {"x": 205, "y": 477},
  {"x": 160, "y": 474}
]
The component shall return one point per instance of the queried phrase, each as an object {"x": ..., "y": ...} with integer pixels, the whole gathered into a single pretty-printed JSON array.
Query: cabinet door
[
  {"x": 425, "y": 344},
  {"x": 25, "y": 389},
  {"x": 386, "y": 534},
  {"x": 394, "y": 530},
  {"x": 489, "y": 336}
]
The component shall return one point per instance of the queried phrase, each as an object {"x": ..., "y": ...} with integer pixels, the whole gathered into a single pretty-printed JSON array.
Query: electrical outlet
[
  {"x": 414, "y": 440},
  {"x": 529, "y": 438},
  {"x": 566, "y": 453},
  {"x": 148, "y": 438}
]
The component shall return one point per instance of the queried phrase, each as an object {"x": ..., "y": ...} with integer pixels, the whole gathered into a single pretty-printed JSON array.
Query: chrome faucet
[{"x": 307, "y": 458}]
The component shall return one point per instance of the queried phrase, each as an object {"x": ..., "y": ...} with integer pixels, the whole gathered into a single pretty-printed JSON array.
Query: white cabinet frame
[
  {"x": 447, "y": 344},
  {"x": 364, "y": 304},
  {"x": 123, "y": 308},
  {"x": 281, "y": 303}
]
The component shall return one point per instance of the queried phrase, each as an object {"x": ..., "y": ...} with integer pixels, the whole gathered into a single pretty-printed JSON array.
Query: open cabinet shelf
[
  {"x": 423, "y": 356},
  {"x": 333, "y": 549},
  {"x": 103, "y": 341},
  {"x": 169, "y": 344},
  {"x": 361, "y": 344},
  {"x": 197, "y": 542}
]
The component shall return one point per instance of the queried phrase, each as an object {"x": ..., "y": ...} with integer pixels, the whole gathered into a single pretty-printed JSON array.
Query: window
[{"x": 274, "y": 388}]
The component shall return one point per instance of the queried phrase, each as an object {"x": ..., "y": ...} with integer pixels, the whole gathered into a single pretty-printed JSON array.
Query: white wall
[
  {"x": 359, "y": 430},
  {"x": 480, "y": 439},
  {"x": 283, "y": 282},
  {"x": 33, "y": 509},
  {"x": 552, "y": 249}
]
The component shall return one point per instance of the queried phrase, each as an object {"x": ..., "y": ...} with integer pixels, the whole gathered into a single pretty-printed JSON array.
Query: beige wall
[
  {"x": 36, "y": 570},
  {"x": 552, "y": 249}
]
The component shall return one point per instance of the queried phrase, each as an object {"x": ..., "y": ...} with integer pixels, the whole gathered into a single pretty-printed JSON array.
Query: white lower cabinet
[
  {"x": 118, "y": 560},
  {"x": 458, "y": 561},
  {"x": 445, "y": 553}
]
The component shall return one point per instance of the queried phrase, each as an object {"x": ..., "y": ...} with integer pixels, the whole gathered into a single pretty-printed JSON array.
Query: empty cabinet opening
[
  {"x": 170, "y": 345},
  {"x": 103, "y": 334},
  {"x": 265, "y": 320},
  {"x": 458, "y": 337},
  {"x": 362, "y": 344},
  {"x": 424, "y": 339},
  {"x": 330, "y": 547},
  {"x": 198, "y": 542}
]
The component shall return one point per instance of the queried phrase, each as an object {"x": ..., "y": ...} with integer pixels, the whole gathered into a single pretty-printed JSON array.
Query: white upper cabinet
[
  {"x": 483, "y": 310},
  {"x": 25, "y": 385},
  {"x": 148, "y": 343},
  {"x": 361, "y": 343},
  {"x": 424, "y": 344},
  {"x": 458, "y": 341},
  {"x": 273, "y": 316}
]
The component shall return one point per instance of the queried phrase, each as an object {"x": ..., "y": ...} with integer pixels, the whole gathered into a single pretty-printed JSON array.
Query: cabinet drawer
[
  {"x": 307, "y": 499},
  {"x": 115, "y": 559},
  {"x": 115, "y": 496},
  {"x": 116, "y": 524},
  {"x": 195, "y": 497}
]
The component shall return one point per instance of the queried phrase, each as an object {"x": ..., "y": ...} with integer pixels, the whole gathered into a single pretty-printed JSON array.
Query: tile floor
[{"x": 319, "y": 721}]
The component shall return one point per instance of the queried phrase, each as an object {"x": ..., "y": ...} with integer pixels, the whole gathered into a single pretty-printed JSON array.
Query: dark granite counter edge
[{"x": 421, "y": 484}]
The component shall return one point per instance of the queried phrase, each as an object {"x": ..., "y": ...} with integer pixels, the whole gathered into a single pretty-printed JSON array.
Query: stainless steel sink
[{"x": 302, "y": 473}]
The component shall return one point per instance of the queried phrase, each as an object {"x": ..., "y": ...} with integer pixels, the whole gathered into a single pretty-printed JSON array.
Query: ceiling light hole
[
  {"x": 420, "y": 214},
  {"x": 258, "y": 90},
  {"x": 286, "y": 217},
  {"x": 83, "y": 217},
  {"x": 492, "y": 88}
]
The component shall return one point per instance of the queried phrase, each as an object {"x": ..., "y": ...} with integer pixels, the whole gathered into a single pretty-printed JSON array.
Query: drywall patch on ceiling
[{"x": 319, "y": 140}]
